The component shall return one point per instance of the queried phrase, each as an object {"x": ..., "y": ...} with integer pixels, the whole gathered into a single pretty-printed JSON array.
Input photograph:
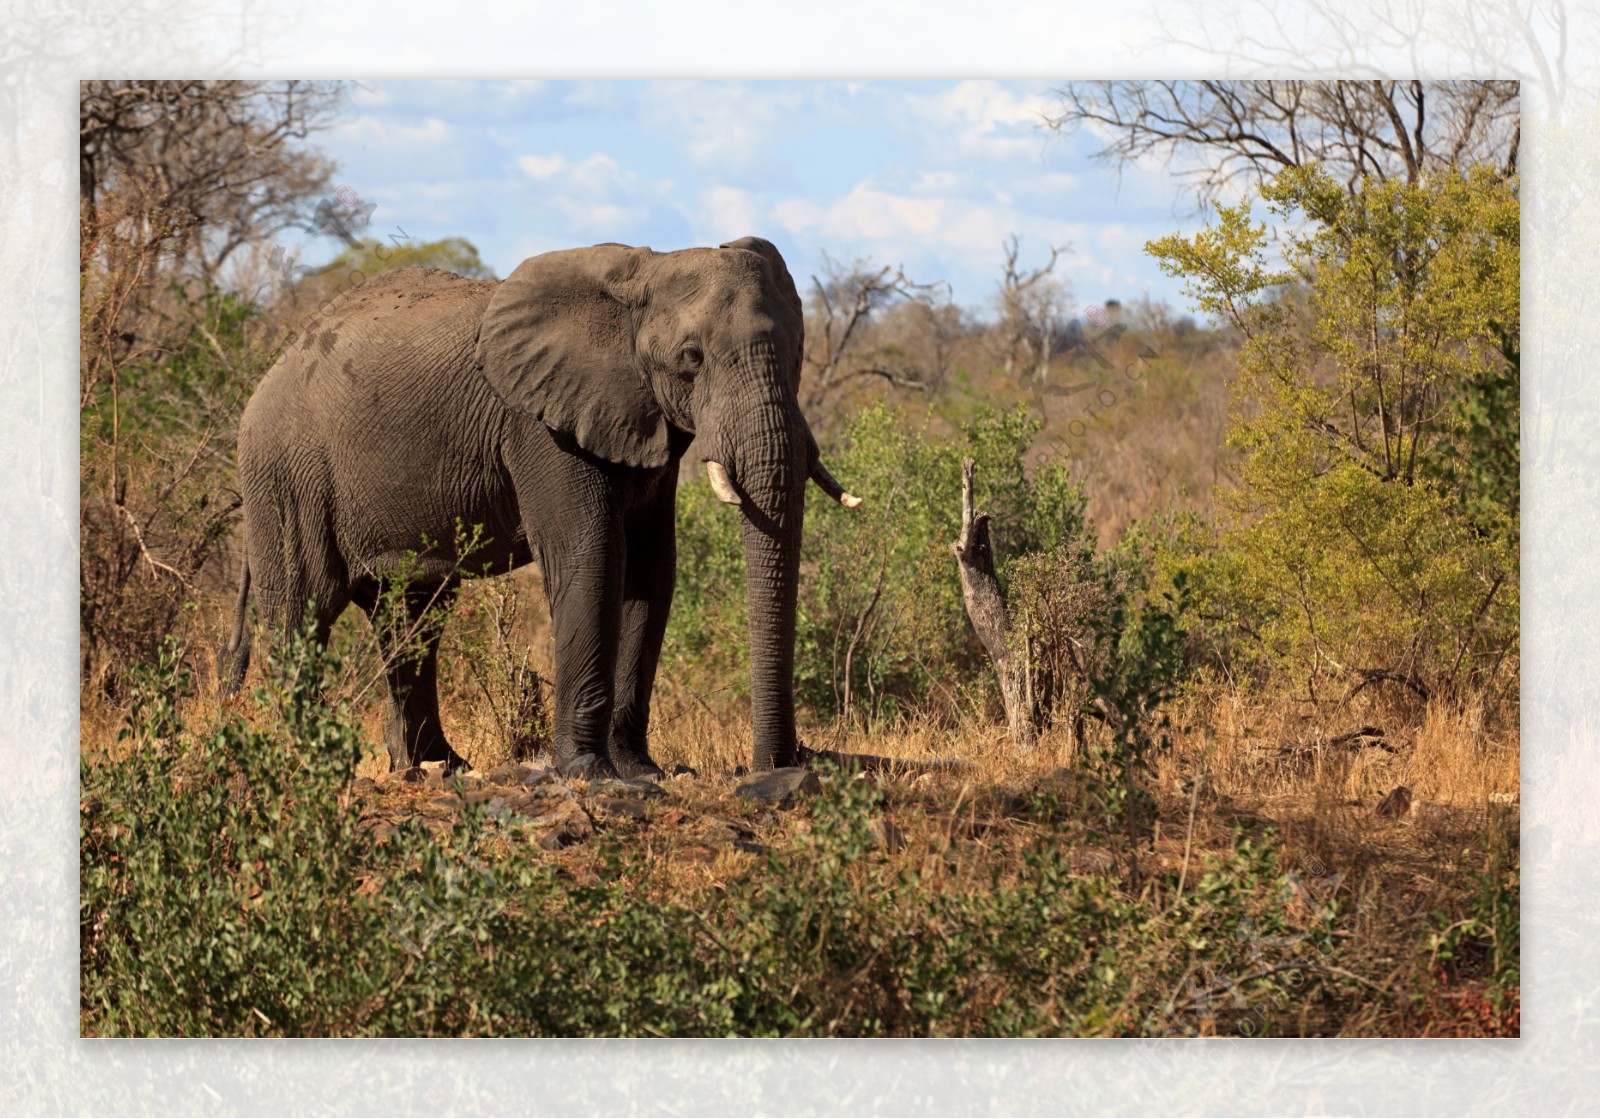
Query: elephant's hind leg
[
  {"x": 233, "y": 661},
  {"x": 408, "y": 635}
]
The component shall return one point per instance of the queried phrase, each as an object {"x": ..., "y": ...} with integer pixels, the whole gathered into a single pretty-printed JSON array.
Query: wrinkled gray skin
[{"x": 552, "y": 409}]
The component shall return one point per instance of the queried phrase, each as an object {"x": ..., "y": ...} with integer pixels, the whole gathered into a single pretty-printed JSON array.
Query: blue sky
[{"x": 929, "y": 175}]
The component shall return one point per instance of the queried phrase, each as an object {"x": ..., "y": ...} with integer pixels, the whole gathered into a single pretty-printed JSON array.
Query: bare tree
[
  {"x": 915, "y": 340},
  {"x": 1531, "y": 39},
  {"x": 1030, "y": 304},
  {"x": 225, "y": 160},
  {"x": 844, "y": 345},
  {"x": 174, "y": 176},
  {"x": 1247, "y": 131},
  {"x": 991, "y": 620}
]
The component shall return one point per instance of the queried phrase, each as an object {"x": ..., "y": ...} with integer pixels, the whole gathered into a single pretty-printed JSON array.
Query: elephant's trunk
[
  {"x": 760, "y": 455},
  {"x": 773, "y": 466}
]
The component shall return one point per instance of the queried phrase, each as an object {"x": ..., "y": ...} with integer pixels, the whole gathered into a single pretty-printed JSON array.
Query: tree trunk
[{"x": 986, "y": 607}]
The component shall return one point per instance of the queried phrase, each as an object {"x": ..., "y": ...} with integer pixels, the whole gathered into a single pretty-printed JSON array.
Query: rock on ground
[{"x": 780, "y": 788}]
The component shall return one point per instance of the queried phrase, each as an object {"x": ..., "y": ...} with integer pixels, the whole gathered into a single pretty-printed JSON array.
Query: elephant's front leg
[
  {"x": 646, "y": 599},
  {"x": 583, "y": 581}
]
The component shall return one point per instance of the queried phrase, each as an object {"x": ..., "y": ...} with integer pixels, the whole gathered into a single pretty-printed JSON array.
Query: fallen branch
[
  {"x": 874, "y": 763},
  {"x": 1358, "y": 739},
  {"x": 1376, "y": 675}
]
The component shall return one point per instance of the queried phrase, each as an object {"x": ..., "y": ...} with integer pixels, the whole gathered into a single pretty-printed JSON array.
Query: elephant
[{"x": 552, "y": 409}]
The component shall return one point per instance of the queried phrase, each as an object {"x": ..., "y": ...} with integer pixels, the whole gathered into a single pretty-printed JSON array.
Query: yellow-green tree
[
  {"x": 370, "y": 256},
  {"x": 366, "y": 258},
  {"x": 1373, "y": 536}
]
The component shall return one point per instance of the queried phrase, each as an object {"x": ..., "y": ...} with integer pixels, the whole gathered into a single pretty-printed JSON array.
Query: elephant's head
[{"x": 619, "y": 347}]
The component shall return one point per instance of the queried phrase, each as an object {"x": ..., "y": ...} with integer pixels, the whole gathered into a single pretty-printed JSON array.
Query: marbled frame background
[{"x": 45, "y": 1068}]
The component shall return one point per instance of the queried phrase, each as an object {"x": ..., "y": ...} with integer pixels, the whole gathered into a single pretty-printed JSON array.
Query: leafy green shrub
[
  {"x": 1471, "y": 985},
  {"x": 155, "y": 459},
  {"x": 214, "y": 873},
  {"x": 881, "y": 629},
  {"x": 1104, "y": 634},
  {"x": 1486, "y": 942},
  {"x": 1374, "y": 534},
  {"x": 229, "y": 887}
]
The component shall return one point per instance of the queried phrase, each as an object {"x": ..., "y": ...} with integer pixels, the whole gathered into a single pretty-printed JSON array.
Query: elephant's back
[
  {"x": 399, "y": 318},
  {"x": 380, "y": 395},
  {"x": 392, "y": 331},
  {"x": 410, "y": 294}
]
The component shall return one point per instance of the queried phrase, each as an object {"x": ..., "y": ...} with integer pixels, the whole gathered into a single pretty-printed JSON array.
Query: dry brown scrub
[{"x": 1234, "y": 765}]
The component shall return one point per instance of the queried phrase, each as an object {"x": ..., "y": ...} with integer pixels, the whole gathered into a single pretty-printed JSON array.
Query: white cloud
[
  {"x": 1115, "y": 236},
  {"x": 798, "y": 215},
  {"x": 601, "y": 217},
  {"x": 517, "y": 89},
  {"x": 727, "y": 212},
  {"x": 375, "y": 132},
  {"x": 596, "y": 194},
  {"x": 876, "y": 215},
  {"x": 598, "y": 174},
  {"x": 938, "y": 182},
  {"x": 981, "y": 229},
  {"x": 1046, "y": 183},
  {"x": 592, "y": 95},
  {"x": 936, "y": 237},
  {"x": 985, "y": 119},
  {"x": 722, "y": 125},
  {"x": 542, "y": 166},
  {"x": 870, "y": 214},
  {"x": 866, "y": 213}
]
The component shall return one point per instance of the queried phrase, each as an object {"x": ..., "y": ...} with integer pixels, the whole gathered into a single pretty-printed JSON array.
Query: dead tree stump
[{"x": 986, "y": 607}]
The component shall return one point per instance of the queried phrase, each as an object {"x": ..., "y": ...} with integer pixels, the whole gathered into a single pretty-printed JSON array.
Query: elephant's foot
[
  {"x": 571, "y": 762},
  {"x": 452, "y": 760},
  {"x": 632, "y": 763},
  {"x": 430, "y": 748},
  {"x": 796, "y": 755}
]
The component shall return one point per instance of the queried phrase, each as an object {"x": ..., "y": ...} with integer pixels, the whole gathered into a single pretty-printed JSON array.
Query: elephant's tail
[{"x": 235, "y": 658}]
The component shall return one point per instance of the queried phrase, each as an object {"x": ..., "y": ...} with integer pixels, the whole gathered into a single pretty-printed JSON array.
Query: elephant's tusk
[
  {"x": 721, "y": 484},
  {"x": 829, "y": 485}
]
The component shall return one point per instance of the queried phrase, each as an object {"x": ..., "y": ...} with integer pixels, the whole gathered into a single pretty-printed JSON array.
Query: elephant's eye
[{"x": 692, "y": 357}]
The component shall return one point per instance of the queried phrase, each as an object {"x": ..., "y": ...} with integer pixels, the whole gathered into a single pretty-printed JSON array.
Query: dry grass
[
  {"x": 1451, "y": 758},
  {"x": 1390, "y": 875},
  {"x": 1227, "y": 772}
]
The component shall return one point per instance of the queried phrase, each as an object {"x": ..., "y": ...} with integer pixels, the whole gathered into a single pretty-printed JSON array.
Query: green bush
[
  {"x": 881, "y": 629},
  {"x": 215, "y": 874},
  {"x": 1374, "y": 533},
  {"x": 1485, "y": 942},
  {"x": 1104, "y": 629},
  {"x": 228, "y": 887},
  {"x": 156, "y": 468}
]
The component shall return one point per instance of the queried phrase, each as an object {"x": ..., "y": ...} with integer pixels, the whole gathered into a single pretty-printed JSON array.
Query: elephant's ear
[{"x": 557, "y": 342}]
